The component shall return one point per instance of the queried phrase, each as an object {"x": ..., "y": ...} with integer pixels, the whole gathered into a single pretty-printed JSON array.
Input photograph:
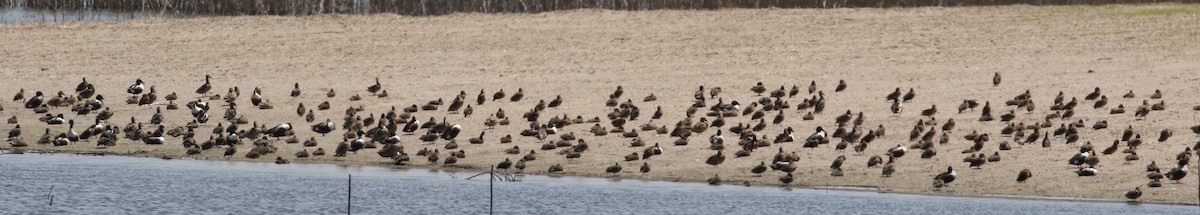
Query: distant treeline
[{"x": 440, "y": 7}]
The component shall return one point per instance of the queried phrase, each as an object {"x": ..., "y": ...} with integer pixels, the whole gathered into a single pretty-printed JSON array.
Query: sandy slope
[{"x": 946, "y": 54}]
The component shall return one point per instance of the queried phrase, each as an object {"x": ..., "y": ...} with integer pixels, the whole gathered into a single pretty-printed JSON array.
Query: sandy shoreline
[{"x": 945, "y": 54}]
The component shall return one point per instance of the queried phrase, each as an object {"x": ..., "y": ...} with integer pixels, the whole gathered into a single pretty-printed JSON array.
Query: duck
[
  {"x": 34, "y": 101},
  {"x": 207, "y": 86},
  {"x": 874, "y": 160},
  {"x": 15, "y": 132},
  {"x": 996, "y": 79},
  {"x": 323, "y": 128},
  {"x": 715, "y": 180},
  {"x": 779, "y": 93},
  {"x": 929, "y": 112},
  {"x": 504, "y": 165},
  {"x": 889, "y": 167},
  {"x": 137, "y": 87},
  {"x": 60, "y": 100},
  {"x": 157, "y": 118},
  {"x": 256, "y": 97},
  {"x": 909, "y": 95},
  {"x": 1177, "y": 173},
  {"x": 375, "y": 88},
  {"x": 309, "y": 117},
  {"x": 1134, "y": 194},
  {"x": 656, "y": 149},
  {"x": 614, "y": 169},
  {"x": 758, "y": 88},
  {"x": 1086, "y": 171},
  {"x": 946, "y": 177},
  {"x": 171, "y": 97},
  {"x": 556, "y": 102},
  {"x": 229, "y": 151},
  {"x": 928, "y": 152},
  {"x": 818, "y": 136},
  {"x": 650, "y": 98},
  {"x": 894, "y": 96},
  {"x": 717, "y": 139},
  {"x": 412, "y": 125},
  {"x": 715, "y": 159},
  {"x": 1154, "y": 183},
  {"x": 759, "y": 169},
  {"x": 976, "y": 162},
  {"x": 1100, "y": 103},
  {"x": 512, "y": 151},
  {"x": 1079, "y": 159},
  {"x": 556, "y": 168},
  {"x": 1024, "y": 175},
  {"x": 431, "y": 156},
  {"x": 20, "y": 96},
  {"x": 994, "y": 158},
  {"x": 1154, "y": 175},
  {"x": 450, "y": 160},
  {"x": 232, "y": 94},
  {"x": 516, "y": 97},
  {"x": 898, "y": 151},
  {"x": 97, "y": 103},
  {"x": 148, "y": 98},
  {"x": 455, "y": 105},
  {"x": 55, "y": 119},
  {"x": 71, "y": 134},
  {"x": 1131, "y": 157},
  {"x": 280, "y": 130},
  {"x": 1135, "y": 141},
  {"x": 530, "y": 157},
  {"x": 787, "y": 179},
  {"x": 477, "y": 140},
  {"x": 452, "y": 132},
  {"x": 1164, "y": 135},
  {"x": 498, "y": 95}
]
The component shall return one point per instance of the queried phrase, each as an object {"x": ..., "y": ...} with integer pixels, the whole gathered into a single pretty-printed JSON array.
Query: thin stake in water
[
  {"x": 51, "y": 196},
  {"x": 492, "y": 190}
]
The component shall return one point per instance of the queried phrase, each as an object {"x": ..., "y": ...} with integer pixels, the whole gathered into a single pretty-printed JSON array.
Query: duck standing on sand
[
  {"x": 375, "y": 88},
  {"x": 206, "y": 87},
  {"x": 1024, "y": 175},
  {"x": 137, "y": 87},
  {"x": 946, "y": 177},
  {"x": 35, "y": 101}
]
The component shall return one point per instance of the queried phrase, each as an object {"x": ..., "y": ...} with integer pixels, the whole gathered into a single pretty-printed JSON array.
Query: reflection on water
[
  {"x": 21, "y": 14},
  {"x": 126, "y": 185}
]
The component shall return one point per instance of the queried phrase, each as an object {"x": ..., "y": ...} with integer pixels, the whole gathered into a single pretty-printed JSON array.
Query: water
[
  {"x": 21, "y": 14},
  {"x": 129, "y": 185}
]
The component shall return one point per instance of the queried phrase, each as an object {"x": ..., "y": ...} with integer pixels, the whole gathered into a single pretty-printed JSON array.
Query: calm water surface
[
  {"x": 20, "y": 14},
  {"x": 129, "y": 185}
]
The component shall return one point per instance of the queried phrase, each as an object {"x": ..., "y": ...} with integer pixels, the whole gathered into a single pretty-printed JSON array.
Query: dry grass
[{"x": 425, "y": 8}]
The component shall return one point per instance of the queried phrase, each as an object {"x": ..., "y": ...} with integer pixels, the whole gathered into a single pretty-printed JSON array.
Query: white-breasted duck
[
  {"x": 948, "y": 176},
  {"x": 137, "y": 87},
  {"x": 34, "y": 101}
]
